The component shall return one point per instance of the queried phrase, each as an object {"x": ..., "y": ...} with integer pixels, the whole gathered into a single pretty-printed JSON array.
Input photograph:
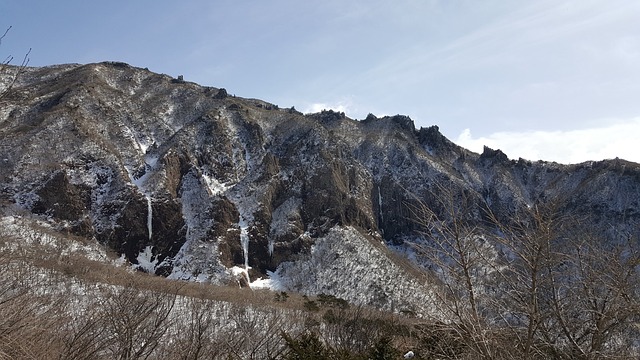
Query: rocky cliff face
[{"x": 188, "y": 182}]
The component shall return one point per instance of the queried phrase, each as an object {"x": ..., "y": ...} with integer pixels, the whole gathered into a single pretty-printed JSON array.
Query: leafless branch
[{"x": 5, "y": 66}]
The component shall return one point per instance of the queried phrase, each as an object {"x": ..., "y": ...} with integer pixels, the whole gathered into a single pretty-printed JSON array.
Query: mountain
[{"x": 190, "y": 182}]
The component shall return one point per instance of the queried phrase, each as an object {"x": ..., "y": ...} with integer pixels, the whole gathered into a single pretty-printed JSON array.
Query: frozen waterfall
[{"x": 149, "y": 216}]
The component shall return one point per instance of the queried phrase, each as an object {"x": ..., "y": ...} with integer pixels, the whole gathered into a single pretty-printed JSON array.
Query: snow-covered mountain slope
[{"x": 191, "y": 183}]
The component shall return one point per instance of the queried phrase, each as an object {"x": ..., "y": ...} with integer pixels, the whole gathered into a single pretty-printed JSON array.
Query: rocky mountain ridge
[{"x": 188, "y": 182}]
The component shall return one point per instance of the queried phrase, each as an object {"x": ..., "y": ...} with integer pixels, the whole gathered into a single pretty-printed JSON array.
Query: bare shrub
[
  {"x": 356, "y": 330},
  {"x": 195, "y": 332},
  {"x": 28, "y": 313},
  {"x": 256, "y": 332},
  {"x": 135, "y": 319}
]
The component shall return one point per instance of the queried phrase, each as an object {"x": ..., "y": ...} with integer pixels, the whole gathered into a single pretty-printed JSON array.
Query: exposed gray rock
[{"x": 118, "y": 153}]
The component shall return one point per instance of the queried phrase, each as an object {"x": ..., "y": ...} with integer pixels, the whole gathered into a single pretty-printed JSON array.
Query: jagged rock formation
[{"x": 191, "y": 183}]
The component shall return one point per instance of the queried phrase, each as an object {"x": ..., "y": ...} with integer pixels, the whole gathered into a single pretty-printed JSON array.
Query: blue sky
[{"x": 542, "y": 79}]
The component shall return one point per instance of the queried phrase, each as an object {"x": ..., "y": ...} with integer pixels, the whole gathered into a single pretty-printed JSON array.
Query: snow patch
[
  {"x": 198, "y": 259},
  {"x": 273, "y": 283},
  {"x": 35, "y": 232},
  {"x": 121, "y": 261},
  {"x": 283, "y": 215},
  {"x": 346, "y": 264},
  {"x": 215, "y": 187},
  {"x": 141, "y": 183},
  {"x": 146, "y": 260}
]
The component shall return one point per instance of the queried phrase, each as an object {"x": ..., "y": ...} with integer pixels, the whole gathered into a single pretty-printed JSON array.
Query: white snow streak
[
  {"x": 149, "y": 216},
  {"x": 215, "y": 187},
  {"x": 380, "y": 204},
  {"x": 244, "y": 242},
  {"x": 146, "y": 260}
]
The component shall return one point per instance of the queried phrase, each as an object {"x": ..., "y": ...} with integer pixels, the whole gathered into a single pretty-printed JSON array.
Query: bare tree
[
  {"x": 357, "y": 330},
  {"x": 593, "y": 297},
  {"x": 195, "y": 333},
  {"x": 13, "y": 71},
  {"x": 135, "y": 319},
  {"x": 537, "y": 285},
  {"x": 457, "y": 252},
  {"x": 256, "y": 332},
  {"x": 28, "y": 312},
  {"x": 526, "y": 244},
  {"x": 83, "y": 332}
]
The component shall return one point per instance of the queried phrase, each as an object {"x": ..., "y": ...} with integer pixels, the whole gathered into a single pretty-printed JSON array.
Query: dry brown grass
[
  {"x": 56, "y": 304},
  {"x": 78, "y": 308}
]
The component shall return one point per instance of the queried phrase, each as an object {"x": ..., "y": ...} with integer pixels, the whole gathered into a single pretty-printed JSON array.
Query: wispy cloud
[
  {"x": 517, "y": 35},
  {"x": 489, "y": 67},
  {"x": 615, "y": 139}
]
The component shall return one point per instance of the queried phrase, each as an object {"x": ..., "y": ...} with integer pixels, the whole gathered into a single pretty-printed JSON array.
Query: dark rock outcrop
[{"x": 85, "y": 147}]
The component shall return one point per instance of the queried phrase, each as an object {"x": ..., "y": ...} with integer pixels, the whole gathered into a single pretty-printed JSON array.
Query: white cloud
[
  {"x": 317, "y": 107},
  {"x": 614, "y": 139}
]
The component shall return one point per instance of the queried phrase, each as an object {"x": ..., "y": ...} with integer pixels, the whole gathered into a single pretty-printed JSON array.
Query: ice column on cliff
[
  {"x": 149, "y": 216},
  {"x": 244, "y": 242}
]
